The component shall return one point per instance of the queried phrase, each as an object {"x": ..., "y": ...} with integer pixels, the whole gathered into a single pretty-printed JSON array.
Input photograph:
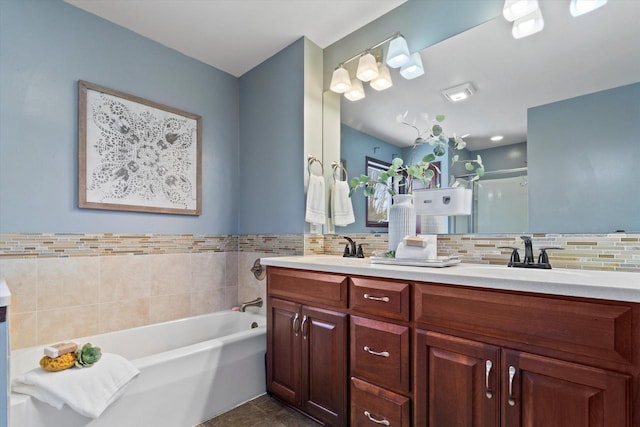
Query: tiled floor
[{"x": 261, "y": 411}]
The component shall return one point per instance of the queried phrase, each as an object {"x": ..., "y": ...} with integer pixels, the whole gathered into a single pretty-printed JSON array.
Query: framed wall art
[{"x": 137, "y": 155}]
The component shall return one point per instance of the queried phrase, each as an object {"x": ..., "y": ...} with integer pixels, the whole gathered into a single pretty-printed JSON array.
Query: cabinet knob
[
  {"x": 488, "y": 366},
  {"x": 382, "y": 421},
  {"x": 302, "y": 327},
  {"x": 372, "y": 298},
  {"x": 296, "y": 324},
  {"x": 512, "y": 373},
  {"x": 376, "y": 353}
]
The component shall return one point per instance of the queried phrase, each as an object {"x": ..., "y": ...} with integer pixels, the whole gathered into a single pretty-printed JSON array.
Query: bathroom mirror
[{"x": 570, "y": 58}]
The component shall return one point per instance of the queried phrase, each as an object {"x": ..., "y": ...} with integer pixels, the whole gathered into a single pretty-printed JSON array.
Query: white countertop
[
  {"x": 5, "y": 294},
  {"x": 618, "y": 286}
]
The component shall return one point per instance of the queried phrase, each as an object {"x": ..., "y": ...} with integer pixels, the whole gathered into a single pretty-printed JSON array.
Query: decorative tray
[{"x": 437, "y": 262}]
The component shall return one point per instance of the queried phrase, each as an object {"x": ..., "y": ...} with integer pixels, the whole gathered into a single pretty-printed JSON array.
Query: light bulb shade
[
  {"x": 580, "y": 7},
  {"x": 340, "y": 81},
  {"x": 515, "y": 9},
  {"x": 413, "y": 68},
  {"x": 356, "y": 92},
  {"x": 527, "y": 25},
  {"x": 367, "y": 68},
  {"x": 383, "y": 81},
  {"x": 398, "y": 53}
]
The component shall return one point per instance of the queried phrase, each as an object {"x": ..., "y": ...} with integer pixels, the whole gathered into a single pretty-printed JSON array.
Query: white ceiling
[
  {"x": 236, "y": 35},
  {"x": 570, "y": 57}
]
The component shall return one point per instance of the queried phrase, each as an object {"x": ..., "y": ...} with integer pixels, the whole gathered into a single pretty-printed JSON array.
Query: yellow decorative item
[{"x": 59, "y": 363}]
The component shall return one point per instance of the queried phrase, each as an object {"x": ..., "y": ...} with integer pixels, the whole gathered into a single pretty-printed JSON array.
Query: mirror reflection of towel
[
  {"x": 315, "y": 213},
  {"x": 341, "y": 207}
]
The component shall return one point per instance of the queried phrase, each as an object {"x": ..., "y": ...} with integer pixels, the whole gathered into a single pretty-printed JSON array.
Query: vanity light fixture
[
  {"x": 413, "y": 68},
  {"x": 459, "y": 93},
  {"x": 356, "y": 91},
  {"x": 340, "y": 81},
  {"x": 367, "y": 67},
  {"x": 383, "y": 81},
  {"x": 372, "y": 69},
  {"x": 528, "y": 25},
  {"x": 398, "y": 53},
  {"x": 516, "y": 9},
  {"x": 580, "y": 7}
]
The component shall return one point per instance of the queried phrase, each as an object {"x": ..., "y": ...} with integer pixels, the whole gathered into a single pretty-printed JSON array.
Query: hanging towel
[
  {"x": 88, "y": 391},
  {"x": 341, "y": 207},
  {"x": 315, "y": 201}
]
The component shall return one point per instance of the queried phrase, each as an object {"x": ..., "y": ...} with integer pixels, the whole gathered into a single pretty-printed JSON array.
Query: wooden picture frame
[
  {"x": 137, "y": 155},
  {"x": 377, "y": 206}
]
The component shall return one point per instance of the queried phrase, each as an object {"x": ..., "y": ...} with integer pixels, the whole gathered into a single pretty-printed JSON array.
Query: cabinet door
[
  {"x": 544, "y": 392},
  {"x": 456, "y": 382},
  {"x": 324, "y": 365},
  {"x": 283, "y": 350}
]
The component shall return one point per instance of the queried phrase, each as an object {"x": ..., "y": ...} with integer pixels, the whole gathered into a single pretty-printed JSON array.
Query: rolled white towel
[
  {"x": 88, "y": 391},
  {"x": 341, "y": 207},
  {"x": 316, "y": 209}
]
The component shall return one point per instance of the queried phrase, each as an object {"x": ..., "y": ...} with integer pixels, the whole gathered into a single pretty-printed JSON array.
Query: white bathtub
[{"x": 191, "y": 370}]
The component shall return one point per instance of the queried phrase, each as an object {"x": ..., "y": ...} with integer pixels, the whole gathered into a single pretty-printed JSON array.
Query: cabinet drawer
[
  {"x": 602, "y": 330},
  {"x": 324, "y": 289},
  {"x": 380, "y": 297},
  {"x": 374, "y": 406},
  {"x": 380, "y": 353}
]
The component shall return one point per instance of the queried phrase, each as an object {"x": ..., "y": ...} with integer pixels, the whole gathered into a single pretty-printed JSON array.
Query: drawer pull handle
[
  {"x": 512, "y": 373},
  {"x": 304, "y": 323},
  {"x": 376, "y": 353},
  {"x": 383, "y": 421},
  {"x": 488, "y": 367},
  {"x": 372, "y": 298},
  {"x": 296, "y": 324}
]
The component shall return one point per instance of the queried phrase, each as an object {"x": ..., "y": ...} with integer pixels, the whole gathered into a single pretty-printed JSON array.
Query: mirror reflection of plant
[{"x": 401, "y": 175}]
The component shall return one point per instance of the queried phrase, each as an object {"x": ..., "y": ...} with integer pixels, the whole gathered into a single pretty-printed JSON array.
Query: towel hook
[
  {"x": 312, "y": 159},
  {"x": 336, "y": 166}
]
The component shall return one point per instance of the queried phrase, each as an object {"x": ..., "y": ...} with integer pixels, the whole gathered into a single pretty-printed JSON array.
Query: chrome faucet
[
  {"x": 253, "y": 303},
  {"x": 529, "y": 262}
]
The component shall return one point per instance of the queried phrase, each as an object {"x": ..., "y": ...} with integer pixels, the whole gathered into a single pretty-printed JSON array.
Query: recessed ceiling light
[
  {"x": 497, "y": 138},
  {"x": 459, "y": 93}
]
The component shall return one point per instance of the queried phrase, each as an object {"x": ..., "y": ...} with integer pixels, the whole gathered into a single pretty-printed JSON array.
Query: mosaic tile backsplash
[{"x": 71, "y": 285}]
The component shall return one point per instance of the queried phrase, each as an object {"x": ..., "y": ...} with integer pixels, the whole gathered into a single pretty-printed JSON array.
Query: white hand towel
[
  {"x": 315, "y": 213},
  {"x": 341, "y": 207},
  {"x": 88, "y": 391}
]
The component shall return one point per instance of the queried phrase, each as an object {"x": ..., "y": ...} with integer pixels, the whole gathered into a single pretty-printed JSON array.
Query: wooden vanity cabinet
[
  {"x": 380, "y": 352},
  {"x": 365, "y": 351},
  {"x": 497, "y": 380},
  {"x": 307, "y": 345}
]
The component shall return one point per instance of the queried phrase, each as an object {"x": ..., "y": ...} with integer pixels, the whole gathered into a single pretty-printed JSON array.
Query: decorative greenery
[
  {"x": 88, "y": 355},
  {"x": 402, "y": 175}
]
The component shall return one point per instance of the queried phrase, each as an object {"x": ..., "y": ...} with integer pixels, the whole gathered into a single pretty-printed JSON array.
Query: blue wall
[
  {"x": 583, "y": 153},
  {"x": 272, "y": 145},
  {"x": 46, "y": 46}
]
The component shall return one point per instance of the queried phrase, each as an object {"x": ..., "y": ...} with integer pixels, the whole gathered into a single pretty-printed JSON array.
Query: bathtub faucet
[{"x": 253, "y": 303}]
